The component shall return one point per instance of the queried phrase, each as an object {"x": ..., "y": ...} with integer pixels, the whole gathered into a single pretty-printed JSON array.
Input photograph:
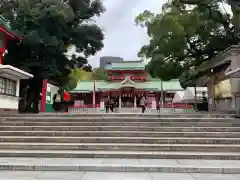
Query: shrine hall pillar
[
  {"x": 135, "y": 101},
  {"x": 120, "y": 101}
]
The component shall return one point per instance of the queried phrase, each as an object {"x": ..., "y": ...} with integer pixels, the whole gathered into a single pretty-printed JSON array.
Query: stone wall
[{"x": 224, "y": 100}]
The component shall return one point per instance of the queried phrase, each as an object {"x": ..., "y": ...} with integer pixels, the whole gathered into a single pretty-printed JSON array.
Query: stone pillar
[
  {"x": 154, "y": 104},
  {"x": 135, "y": 101},
  {"x": 237, "y": 104},
  {"x": 120, "y": 101}
]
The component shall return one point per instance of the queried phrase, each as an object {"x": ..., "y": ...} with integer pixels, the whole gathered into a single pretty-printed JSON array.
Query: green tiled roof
[
  {"x": 151, "y": 85},
  {"x": 126, "y": 65},
  {"x": 6, "y": 24},
  {"x": 83, "y": 86}
]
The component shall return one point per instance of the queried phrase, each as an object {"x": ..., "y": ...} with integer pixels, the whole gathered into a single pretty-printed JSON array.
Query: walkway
[
  {"x": 38, "y": 175},
  {"x": 51, "y": 169}
]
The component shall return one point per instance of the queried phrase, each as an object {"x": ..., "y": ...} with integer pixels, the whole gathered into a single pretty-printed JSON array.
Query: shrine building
[
  {"x": 9, "y": 76},
  {"x": 128, "y": 82}
]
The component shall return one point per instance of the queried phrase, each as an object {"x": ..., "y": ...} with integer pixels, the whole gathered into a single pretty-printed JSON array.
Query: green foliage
[
  {"x": 75, "y": 76},
  {"x": 187, "y": 78},
  {"x": 49, "y": 28},
  {"x": 182, "y": 37},
  {"x": 159, "y": 67},
  {"x": 99, "y": 74}
]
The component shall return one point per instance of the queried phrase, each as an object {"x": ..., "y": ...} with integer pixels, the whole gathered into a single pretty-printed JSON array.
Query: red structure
[
  {"x": 6, "y": 34},
  {"x": 120, "y": 75},
  {"x": 127, "y": 82}
]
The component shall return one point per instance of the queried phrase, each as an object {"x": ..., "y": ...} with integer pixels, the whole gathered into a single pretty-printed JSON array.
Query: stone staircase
[{"x": 132, "y": 137}]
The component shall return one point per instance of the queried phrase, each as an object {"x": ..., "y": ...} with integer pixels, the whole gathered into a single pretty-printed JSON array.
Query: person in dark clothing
[
  {"x": 115, "y": 104},
  {"x": 111, "y": 104},
  {"x": 107, "y": 104},
  {"x": 57, "y": 102},
  {"x": 158, "y": 107}
]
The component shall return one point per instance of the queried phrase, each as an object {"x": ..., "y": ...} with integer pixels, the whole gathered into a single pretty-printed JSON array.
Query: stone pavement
[
  {"x": 114, "y": 161},
  {"x": 120, "y": 165},
  {"x": 45, "y": 175}
]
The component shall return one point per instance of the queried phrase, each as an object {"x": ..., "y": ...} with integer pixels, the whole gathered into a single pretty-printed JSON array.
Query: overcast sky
[{"x": 122, "y": 37}]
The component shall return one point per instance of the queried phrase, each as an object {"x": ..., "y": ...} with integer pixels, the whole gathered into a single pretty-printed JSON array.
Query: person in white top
[{"x": 143, "y": 104}]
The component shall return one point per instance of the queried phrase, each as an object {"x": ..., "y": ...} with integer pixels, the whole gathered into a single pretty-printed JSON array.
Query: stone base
[{"x": 6, "y": 110}]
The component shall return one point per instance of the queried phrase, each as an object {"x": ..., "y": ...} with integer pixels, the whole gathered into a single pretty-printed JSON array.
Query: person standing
[
  {"x": 111, "y": 105},
  {"x": 66, "y": 100},
  {"x": 158, "y": 107},
  {"x": 107, "y": 104},
  {"x": 143, "y": 104},
  {"x": 57, "y": 101}
]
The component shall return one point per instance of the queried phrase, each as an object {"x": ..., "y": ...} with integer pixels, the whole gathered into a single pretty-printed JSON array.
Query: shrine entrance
[
  {"x": 127, "y": 97},
  {"x": 127, "y": 101}
]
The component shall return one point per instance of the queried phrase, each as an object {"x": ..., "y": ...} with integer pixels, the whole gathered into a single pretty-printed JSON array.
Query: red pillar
[
  {"x": 4, "y": 46},
  {"x": 94, "y": 94},
  {"x": 44, "y": 96},
  {"x": 1, "y": 57}
]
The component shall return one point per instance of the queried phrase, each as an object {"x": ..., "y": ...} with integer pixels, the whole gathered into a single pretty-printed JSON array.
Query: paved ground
[
  {"x": 109, "y": 161},
  {"x": 78, "y": 175},
  {"x": 30, "y": 175}
]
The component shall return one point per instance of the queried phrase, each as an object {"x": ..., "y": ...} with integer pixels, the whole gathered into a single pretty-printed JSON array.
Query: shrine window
[
  {"x": 7, "y": 86},
  {"x": 139, "y": 73},
  {"x": 116, "y": 74},
  {"x": 128, "y": 74}
]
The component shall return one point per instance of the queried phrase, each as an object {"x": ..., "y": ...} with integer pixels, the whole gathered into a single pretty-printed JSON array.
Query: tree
[
  {"x": 99, "y": 74},
  {"x": 49, "y": 28},
  {"x": 182, "y": 38},
  {"x": 87, "y": 68},
  {"x": 75, "y": 76}
]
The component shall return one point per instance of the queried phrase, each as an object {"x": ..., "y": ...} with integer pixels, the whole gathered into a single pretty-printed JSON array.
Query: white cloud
[{"x": 122, "y": 37}]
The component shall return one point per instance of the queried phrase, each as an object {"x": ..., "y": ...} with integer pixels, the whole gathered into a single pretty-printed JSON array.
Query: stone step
[
  {"x": 120, "y": 128},
  {"x": 167, "y": 114},
  {"x": 138, "y": 124},
  {"x": 121, "y": 154},
  {"x": 119, "y": 134},
  {"x": 120, "y": 119},
  {"x": 150, "y": 140},
  {"x": 120, "y": 147},
  {"x": 118, "y": 165}
]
